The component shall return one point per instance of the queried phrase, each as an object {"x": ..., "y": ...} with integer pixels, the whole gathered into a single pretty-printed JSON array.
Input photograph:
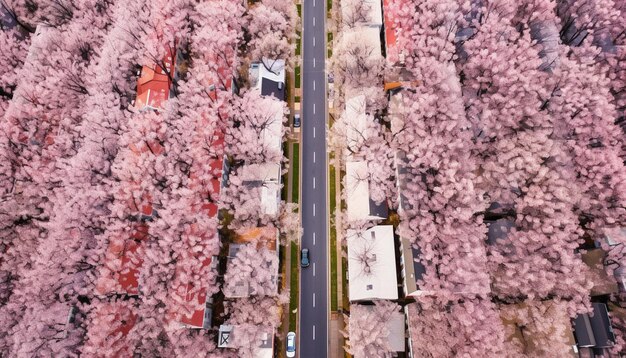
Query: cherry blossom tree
[
  {"x": 354, "y": 12},
  {"x": 272, "y": 27},
  {"x": 355, "y": 62},
  {"x": 253, "y": 317},
  {"x": 538, "y": 328},
  {"x": 430, "y": 128},
  {"x": 459, "y": 328},
  {"x": 368, "y": 329},
  {"x": 522, "y": 165},
  {"x": 254, "y": 269}
]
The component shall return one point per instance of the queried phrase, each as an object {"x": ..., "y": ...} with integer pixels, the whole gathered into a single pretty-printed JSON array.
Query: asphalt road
[{"x": 314, "y": 314}]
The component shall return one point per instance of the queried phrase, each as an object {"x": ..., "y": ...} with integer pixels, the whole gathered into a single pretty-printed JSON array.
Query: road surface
[{"x": 314, "y": 297}]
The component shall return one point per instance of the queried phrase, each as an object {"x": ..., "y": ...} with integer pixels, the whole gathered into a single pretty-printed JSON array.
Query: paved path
[{"x": 314, "y": 295}]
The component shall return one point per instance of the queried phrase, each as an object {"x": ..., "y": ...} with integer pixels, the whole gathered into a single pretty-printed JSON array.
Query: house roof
[
  {"x": 227, "y": 333},
  {"x": 369, "y": 36},
  {"x": 272, "y": 83},
  {"x": 128, "y": 252},
  {"x": 242, "y": 285},
  {"x": 414, "y": 270},
  {"x": 523, "y": 329},
  {"x": 396, "y": 338},
  {"x": 499, "y": 230},
  {"x": 356, "y": 120},
  {"x": 372, "y": 264},
  {"x": 272, "y": 135},
  {"x": 359, "y": 204},
  {"x": 395, "y": 53},
  {"x": 116, "y": 319},
  {"x": 263, "y": 236},
  {"x": 594, "y": 330},
  {"x": 374, "y": 13},
  {"x": 266, "y": 177},
  {"x": 154, "y": 83},
  {"x": 602, "y": 283}
]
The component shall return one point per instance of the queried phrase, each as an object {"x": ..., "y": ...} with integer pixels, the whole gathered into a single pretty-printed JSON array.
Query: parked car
[
  {"x": 291, "y": 345},
  {"x": 296, "y": 120},
  {"x": 304, "y": 258}
]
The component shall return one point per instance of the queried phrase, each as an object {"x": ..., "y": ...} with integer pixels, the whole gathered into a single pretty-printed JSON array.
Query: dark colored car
[
  {"x": 304, "y": 258},
  {"x": 296, "y": 120}
]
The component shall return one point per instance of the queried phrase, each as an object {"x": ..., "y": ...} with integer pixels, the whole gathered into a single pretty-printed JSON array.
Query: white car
[{"x": 291, "y": 344}]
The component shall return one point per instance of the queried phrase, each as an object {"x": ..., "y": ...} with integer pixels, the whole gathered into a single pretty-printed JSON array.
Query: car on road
[
  {"x": 296, "y": 120},
  {"x": 291, "y": 345},
  {"x": 304, "y": 258}
]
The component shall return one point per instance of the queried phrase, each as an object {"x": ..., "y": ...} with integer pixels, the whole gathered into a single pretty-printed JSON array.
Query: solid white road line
[
  {"x": 314, "y": 276},
  {"x": 313, "y": 182},
  {"x": 313, "y": 298},
  {"x": 313, "y": 242},
  {"x": 313, "y": 209},
  {"x": 313, "y": 108},
  {"x": 313, "y": 332},
  {"x": 313, "y": 3}
]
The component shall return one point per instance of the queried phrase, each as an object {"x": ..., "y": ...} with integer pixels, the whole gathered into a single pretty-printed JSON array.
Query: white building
[
  {"x": 369, "y": 36},
  {"x": 356, "y": 123},
  {"x": 268, "y": 77},
  {"x": 227, "y": 334},
  {"x": 371, "y": 9},
  {"x": 359, "y": 204},
  {"x": 267, "y": 176},
  {"x": 372, "y": 264}
]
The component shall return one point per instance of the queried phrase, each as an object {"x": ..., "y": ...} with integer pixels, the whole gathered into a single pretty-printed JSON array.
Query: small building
[
  {"x": 265, "y": 238},
  {"x": 356, "y": 123},
  {"x": 412, "y": 270},
  {"x": 266, "y": 178},
  {"x": 227, "y": 333},
  {"x": 268, "y": 76},
  {"x": 533, "y": 324},
  {"x": 602, "y": 283},
  {"x": 395, "y": 54},
  {"x": 360, "y": 205},
  {"x": 594, "y": 333},
  {"x": 155, "y": 82},
  {"x": 372, "y": 264},
  {"x": 369, "y": 36},
  {"x": 365, "y": 13}
]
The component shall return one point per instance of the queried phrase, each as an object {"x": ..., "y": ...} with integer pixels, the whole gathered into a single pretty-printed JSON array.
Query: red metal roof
[
  {"x": 153, "y": 86},
  {"x": 116, "y": 319}
]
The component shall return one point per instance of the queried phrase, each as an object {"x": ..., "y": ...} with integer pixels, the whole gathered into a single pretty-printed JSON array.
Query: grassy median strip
[
  {"x": 298, "y": 43},
  {"x": 333, "y": 240},
  {"x": 293, "y": 289},
  {"x": 295, "y": 184},
  {"x": 297, "y": 76}
]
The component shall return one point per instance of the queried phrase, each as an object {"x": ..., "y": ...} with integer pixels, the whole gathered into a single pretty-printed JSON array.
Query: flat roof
[
  {"x": 370, "y": 36},
  {"x": 359, "y": 204},
  {"x": 414, "y": 270},
  {"x": 357, "y": 190},
  {"x": 265, "y": 349},
  {"x": 374, "y": 11},
  {"x": 356, "y": 121},
  {"x": 272, "y": 134},
  {"x": 271, "y": 83},
  {"x": 372, "y": 264}
]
